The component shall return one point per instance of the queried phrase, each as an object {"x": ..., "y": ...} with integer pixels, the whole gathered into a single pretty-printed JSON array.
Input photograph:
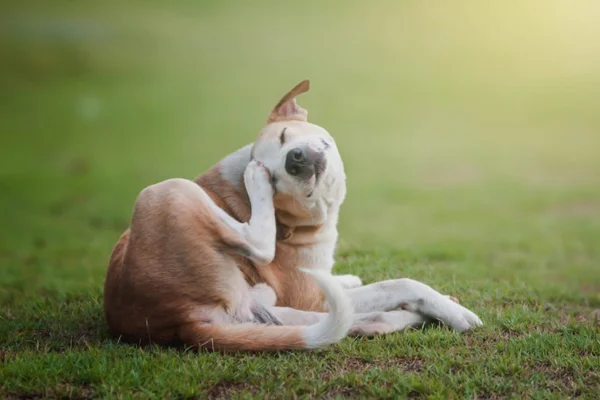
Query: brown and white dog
[{"x": 241, "y": 258}]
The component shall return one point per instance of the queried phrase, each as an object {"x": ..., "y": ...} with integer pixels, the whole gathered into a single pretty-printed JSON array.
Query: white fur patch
[{"x": 338, "y": 322}]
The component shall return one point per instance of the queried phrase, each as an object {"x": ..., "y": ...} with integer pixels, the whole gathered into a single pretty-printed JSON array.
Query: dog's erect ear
[{"x": 287, "y": 108}]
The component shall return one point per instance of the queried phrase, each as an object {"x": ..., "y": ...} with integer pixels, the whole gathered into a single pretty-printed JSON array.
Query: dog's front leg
[
  {"x": 261, "y": 230},
  {"x": 413, "y": 296}
]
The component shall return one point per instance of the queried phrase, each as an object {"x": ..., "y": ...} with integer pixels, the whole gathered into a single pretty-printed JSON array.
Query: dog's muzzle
[{"x": 303, "y": 163}]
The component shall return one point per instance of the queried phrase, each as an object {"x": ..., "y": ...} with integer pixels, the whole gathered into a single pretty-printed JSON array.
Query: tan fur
[
  {"x": 175, "y": 273},
  {"x": 247, "y": 337}
]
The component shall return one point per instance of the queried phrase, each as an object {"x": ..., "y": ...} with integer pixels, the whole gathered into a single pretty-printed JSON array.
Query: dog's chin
[{"x": 297, "y": 188}]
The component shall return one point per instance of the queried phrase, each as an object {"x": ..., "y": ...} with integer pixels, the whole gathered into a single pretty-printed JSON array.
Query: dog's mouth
[
  {"x": 320, "y": 166},
  {"x": 274, "y": 180}
]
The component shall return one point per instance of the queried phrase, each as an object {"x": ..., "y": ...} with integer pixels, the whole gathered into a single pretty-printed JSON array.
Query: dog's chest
[
  {"x": 293, "y": 287},
  {"x": 306, "y": 247},
  {"x": 301, "y": 292}
]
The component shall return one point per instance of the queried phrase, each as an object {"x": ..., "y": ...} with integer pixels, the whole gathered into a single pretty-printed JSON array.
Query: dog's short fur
[{"x": 241, "y": 258}]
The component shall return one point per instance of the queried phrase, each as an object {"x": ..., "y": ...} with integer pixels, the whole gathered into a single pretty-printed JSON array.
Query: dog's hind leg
[
  {"x": 381, "y": 322},
  {"x": 367, "y": 324},
  {"x": 413, "y": 296}
]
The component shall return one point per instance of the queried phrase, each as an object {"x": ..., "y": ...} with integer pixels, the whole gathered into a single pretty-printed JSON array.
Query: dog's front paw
[
  {"x": 261, "y": 229},
  {"x": 461, "y": 318},
  {"x": 257, "y": 179}
]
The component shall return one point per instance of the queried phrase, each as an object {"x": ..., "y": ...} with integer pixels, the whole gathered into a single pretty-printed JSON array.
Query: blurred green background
[{"x": 470, "y": 131}]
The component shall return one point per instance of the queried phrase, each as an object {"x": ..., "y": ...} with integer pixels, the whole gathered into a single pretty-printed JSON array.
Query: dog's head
[{"x": 306, "y": 168}]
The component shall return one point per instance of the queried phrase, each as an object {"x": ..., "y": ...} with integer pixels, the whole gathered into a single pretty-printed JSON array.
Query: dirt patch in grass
[
  {"x": 61, "y": 391},
  {"x": 355, "y": 393},
  {"x": 350, "y": 393},
  {"x": 224, "y": 390},
  {"x": 569, "y": 314},
  {"x": 360, "y": 365},
  {"x": 344, "y": 392},
  {"x": 561, "y": 378},
  {"x": 489, "y": 396}
]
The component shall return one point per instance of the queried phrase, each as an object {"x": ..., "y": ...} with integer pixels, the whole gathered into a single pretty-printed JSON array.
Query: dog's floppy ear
[{"x": 287, "y": 108}]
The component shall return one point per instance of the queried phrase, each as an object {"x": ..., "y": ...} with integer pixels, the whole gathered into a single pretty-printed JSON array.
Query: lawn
[{"x": 471, "y": 138}]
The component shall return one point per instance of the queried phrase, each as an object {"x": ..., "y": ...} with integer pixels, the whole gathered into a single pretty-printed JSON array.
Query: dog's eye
[
  {"x": 282, "y": 136},
  {"x": 325, "y": 143}
]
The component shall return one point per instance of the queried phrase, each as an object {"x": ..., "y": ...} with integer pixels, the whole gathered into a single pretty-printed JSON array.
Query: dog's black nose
[
  {"x": 296, "y": 161},
  {"x": 303, "y": 163}
]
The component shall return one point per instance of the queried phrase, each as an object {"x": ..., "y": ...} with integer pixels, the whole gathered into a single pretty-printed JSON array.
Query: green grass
[{"x": 470, "y": 134}]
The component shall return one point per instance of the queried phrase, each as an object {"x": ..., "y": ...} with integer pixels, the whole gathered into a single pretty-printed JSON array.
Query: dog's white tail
[{"x": 339, "y": 319}]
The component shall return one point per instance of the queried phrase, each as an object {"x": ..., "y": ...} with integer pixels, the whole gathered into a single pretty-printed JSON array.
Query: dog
[{"x": 240, "y": 259}]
